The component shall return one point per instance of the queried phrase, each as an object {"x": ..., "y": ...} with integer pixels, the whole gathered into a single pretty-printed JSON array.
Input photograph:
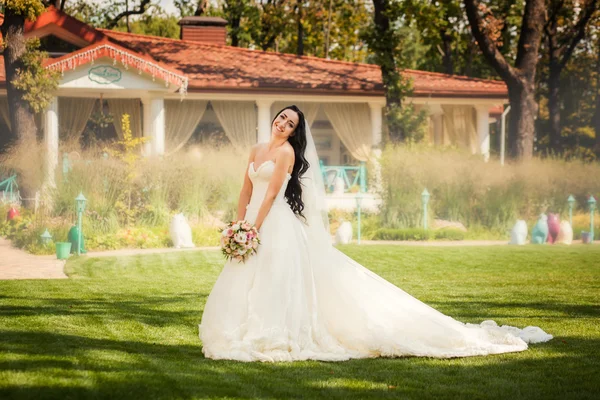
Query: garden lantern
[
  {"x": 46, "y": 237},
  {"x": 80, "y": 201},
  {"x": 592, "y": 204},
  {"x": 425, "y": 199},
  {"x": 571, "y": 201}
]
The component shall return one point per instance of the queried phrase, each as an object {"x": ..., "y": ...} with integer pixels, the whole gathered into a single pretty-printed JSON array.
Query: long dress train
[{"x": 283, "y": 304}]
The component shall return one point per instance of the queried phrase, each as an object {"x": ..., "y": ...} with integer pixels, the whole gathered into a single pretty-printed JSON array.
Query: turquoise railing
[
  {"x": 10, "y": 190},
  {"x": 352, "y": 176}
]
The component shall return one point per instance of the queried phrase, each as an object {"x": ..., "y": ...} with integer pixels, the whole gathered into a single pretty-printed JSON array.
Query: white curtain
[
  {"x": 238, "y": 119},
  {"x": 352, "y": 123},
  {"x": 181, "y": 119},
  {"x": 459, "y": 127},
  {"x": 310, "y": 110},
  {"x": 4, "y": 110},
  {"x": 133, "y": 107},
  {"x": 74, "y": 113}
]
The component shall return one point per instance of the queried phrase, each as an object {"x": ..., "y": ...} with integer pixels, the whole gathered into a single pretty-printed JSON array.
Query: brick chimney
[{"x": 211, "y": 30}]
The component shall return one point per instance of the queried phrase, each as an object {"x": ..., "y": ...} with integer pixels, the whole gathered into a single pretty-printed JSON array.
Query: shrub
[
  {"x": 449, "y": 234},
  {"x": 402, "y": 234}
]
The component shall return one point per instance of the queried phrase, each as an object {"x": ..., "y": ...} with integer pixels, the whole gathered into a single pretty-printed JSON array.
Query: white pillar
[
  {"x": 51, "y": 140},
  {"x": 154, "y": 126},
  {"x": 264, "y": 120},
  {"x": 483, "y": 130},
  {"x": 436, "y": 113},
  {"x": 376, "y": 122}
]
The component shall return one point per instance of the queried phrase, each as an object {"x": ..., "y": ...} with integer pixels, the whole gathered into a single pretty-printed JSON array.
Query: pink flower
[
  {"x": 246, "y": 226},
  {"x": 230, "y": 232}
]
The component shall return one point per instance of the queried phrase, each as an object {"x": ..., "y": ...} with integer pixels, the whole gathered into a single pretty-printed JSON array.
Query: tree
[
  {"x": 234, "y": 11},
  {"x": 562, "y": 39},
  {"x": 267, "y": 21},
  {"x": 384, "y": 41},
  {"x": 153, "y": 23},
  {"x": 300, "y": 28},
  {"x": 439, "y": 23},
  {"x": 519, "y": 78},
  {"x": 596, "y": 117},
  {"x": 15, "y": 48}
]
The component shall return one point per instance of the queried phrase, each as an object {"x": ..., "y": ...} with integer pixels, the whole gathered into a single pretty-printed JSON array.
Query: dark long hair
[{"x": 293, "y": 192}]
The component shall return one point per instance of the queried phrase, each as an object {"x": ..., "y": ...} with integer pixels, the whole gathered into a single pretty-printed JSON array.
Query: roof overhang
[{"x": 118, "y": 54}]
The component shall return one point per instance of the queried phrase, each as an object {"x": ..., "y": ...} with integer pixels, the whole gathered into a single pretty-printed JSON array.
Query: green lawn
[{"x": 127, "y": 328}]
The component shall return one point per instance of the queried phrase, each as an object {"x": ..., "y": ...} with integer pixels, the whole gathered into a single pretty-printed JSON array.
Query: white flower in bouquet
[{"x": 241, "y": 237}]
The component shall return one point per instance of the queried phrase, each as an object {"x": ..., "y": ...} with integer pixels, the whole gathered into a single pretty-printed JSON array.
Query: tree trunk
[
  {"x": 390, "y": 76},
  {"x": 447, "y": 48},
  {"x": 235, "y": 26},
  {"x": 554, "y": 107},
  {"x": 21, "y": 115},
  {"x": 596, "y": 117},
  {"x": 520, "y": 79},
  {"x": 300, "y": 47},
  {"x": 471, "y": 46},
  {"x": 521, "y": 124}
]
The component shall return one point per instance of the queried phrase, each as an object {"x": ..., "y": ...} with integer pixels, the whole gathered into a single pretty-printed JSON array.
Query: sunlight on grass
[{"x": 127, "y": 328}]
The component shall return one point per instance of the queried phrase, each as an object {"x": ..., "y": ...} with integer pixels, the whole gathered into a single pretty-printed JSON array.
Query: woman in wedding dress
[{"x": 299, "y": 298}]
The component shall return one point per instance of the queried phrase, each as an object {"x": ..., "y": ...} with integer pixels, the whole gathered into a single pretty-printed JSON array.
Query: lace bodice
[{"x": 260, "y": 178}]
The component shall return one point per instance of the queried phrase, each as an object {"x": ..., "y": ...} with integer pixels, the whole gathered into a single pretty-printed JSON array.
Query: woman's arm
[
  {"x": 282, "y": 164},
  {"x": 246, "y": 191}
]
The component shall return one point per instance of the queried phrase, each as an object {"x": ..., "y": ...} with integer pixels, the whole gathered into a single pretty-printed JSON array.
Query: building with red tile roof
[{"x": 169, "y": 87}]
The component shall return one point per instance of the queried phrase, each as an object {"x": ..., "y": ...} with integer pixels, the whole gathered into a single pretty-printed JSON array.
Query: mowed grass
[{"x": 126, "y": 328}]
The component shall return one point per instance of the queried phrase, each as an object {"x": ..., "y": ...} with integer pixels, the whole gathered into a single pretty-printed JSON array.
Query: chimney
[{"x": 211, "y": 30}]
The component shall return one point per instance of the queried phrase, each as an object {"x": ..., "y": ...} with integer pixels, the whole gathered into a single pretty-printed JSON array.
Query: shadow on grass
[
  {"x": 506, "y": 309},
  {"x": 69, "y": 366},
  {"x": 150, "y": 310}
]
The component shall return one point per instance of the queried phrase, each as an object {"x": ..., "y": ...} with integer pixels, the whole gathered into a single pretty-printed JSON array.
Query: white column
[
  {"x": 51, "y": 140},
  {"x": 436, "y": 113},
  {"x": 376, "y": 122},
  {"x": 154, "y": 126},
  {"x": 376, "y": 128},
  {"x": 264, "y": 120},
  {"x": 483, "y": 130}
]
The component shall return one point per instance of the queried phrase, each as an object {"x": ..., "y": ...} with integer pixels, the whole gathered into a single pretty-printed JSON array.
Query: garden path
[{"x": 18, "y": 264}]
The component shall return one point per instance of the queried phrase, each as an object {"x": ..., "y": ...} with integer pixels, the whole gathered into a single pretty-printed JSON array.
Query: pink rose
[{"x": 230, "y": 232}]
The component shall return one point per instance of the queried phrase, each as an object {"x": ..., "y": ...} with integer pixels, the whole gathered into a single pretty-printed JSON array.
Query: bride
[{"x": 299, "y": 298}]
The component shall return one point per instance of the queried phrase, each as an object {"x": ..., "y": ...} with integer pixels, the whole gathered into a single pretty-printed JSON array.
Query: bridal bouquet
[{"x": 239, "y": 241}]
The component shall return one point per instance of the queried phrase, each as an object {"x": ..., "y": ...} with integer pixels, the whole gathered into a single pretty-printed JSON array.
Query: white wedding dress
[{"x": 300, "y": 299}]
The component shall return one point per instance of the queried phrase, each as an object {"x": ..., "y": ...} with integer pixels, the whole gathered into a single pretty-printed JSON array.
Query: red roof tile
[
  {"x": 224, "y": 68},
  {"x": 52, "y": 16},
  {"x": 214, "y": 67}
]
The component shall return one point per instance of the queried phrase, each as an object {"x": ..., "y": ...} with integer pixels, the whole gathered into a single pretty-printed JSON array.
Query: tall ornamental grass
[{"x": 464, "y": 188}]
